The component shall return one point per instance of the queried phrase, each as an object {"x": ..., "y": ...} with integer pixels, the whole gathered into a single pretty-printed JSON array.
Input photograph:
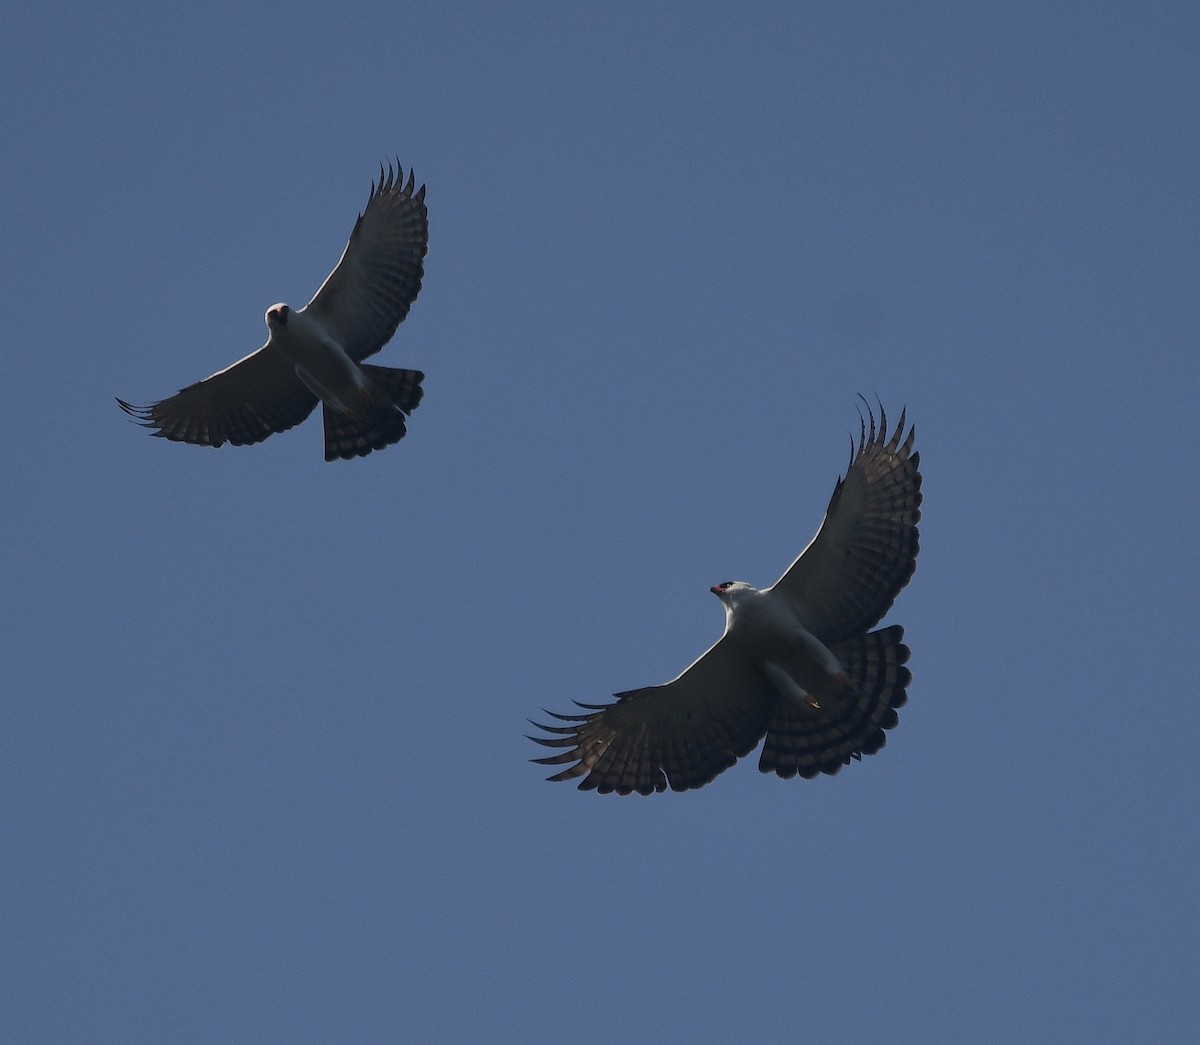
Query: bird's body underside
[
  {"x": 319, "y": 361},
  {"x": 315, "y": 354},
  {"x": 797, "y": 667},
  {"x": 766, "y": 632}
]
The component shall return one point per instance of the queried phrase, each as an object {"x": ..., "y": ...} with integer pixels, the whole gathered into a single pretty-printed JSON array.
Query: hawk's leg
[{"x": 789, "y": 688}]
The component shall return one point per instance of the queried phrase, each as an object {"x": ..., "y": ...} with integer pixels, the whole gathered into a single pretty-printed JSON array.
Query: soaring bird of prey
[
  {"x": 797, "y": 662},
  {"x": 316, "y": 354}
]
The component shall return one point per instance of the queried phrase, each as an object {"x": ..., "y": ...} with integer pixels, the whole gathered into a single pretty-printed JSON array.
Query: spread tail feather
[
  {"x": 395, "y": 394},
  {"x": 812, "y": 741}
]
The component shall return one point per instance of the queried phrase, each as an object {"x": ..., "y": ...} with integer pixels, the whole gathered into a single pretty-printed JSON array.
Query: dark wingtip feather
[
  {"x": 554, "y": 760},
  {"x": 901, "y": 441},
  {"x": 864, "y": 438},
  {"x": 564, "y": 736},
  {"x": 562, "y": 718},
  {"x": 391, "y": 179},
  {"x": 143, "y": 415}
]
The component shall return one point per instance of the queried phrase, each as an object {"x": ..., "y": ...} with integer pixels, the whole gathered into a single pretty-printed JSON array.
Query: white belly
[{"x": 320, "y": 363}]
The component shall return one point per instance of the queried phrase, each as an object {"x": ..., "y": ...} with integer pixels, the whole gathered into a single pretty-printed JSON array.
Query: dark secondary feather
[
  {"x": 379, "y": 275},
  {"x": 866, "y": 549}
]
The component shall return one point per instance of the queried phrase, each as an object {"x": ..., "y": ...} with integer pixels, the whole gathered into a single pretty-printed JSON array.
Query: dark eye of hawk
[{"x": 724, "y": 585}]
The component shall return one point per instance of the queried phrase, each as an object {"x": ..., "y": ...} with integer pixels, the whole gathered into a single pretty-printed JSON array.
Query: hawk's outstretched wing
[
  {"x": 379, "y": 276},
  {"x": 866, "y": 550},
  {"x": 681, "y": 734},
  {"x": 244, "y": 403}
]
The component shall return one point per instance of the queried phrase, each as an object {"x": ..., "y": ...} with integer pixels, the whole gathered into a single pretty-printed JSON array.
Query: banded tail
[
  {"x": 809, "y": 741},
  {"x": 397, "y": 393}
]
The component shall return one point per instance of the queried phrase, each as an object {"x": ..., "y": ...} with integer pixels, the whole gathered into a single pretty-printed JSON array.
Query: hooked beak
[{"x": 716, "y": 590}]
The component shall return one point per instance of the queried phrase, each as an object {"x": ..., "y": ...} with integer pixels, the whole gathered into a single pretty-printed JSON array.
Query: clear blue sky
[{"x": 263, "y": 769}]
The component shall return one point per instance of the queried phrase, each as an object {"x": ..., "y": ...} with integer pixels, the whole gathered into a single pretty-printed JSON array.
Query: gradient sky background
[{"x": 264, "y": 773}]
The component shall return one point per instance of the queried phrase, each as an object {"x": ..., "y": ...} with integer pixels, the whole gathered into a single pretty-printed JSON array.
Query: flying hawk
[
  {"x": 316, "y": 354},
  {"x": 798, "y": 661}
]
